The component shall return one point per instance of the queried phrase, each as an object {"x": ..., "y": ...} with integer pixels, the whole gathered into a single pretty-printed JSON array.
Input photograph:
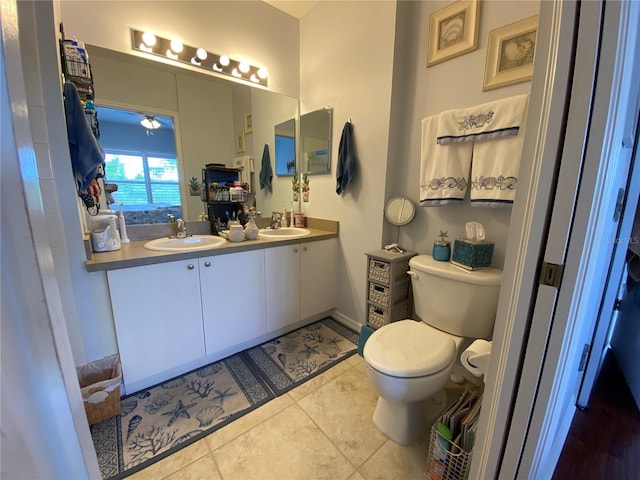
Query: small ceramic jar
[{"x": 441, "y": 251}]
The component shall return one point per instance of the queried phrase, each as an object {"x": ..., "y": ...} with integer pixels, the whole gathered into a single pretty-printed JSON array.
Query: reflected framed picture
[
  {"x": 510, "y": 53},
  {"x": 240, "y": 144},
  {"x": 453, "y": 31},
  {"x": 248, "y": 123}
]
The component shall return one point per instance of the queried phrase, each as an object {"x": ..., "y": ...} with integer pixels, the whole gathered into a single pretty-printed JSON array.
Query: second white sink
[
  {"x": 189, "y": 244},
  {"x": 284, "y": 232}
]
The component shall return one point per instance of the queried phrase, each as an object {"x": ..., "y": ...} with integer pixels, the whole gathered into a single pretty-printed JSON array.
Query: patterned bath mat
[
  {"x": 159, "y": 421},
  {"x": 298, "y": 356}
]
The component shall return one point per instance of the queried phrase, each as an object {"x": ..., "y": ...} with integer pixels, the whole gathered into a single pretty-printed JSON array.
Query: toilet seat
[{"x": 409, "y": 349}]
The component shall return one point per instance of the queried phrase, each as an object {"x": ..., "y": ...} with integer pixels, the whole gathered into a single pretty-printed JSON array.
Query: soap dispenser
[{"x": 442, "y": 248}]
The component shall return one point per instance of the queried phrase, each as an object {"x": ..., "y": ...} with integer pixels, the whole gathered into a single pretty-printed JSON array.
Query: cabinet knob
[
  {"x": 304, "y": 249},
  {"x": 207, "y": 264},
  {"x": 295, "y": 250},
  {"x": 190, "y": 266}
]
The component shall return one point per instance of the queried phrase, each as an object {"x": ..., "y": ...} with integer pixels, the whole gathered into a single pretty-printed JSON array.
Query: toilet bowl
[{"x": 408, "y": 363}]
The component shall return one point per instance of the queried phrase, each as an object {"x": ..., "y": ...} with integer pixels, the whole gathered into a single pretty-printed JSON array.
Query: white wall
[
  {"x": 420, "y": 92},
  {"x": 251, "y": 30},
  {"x": 346, "y": 53}
]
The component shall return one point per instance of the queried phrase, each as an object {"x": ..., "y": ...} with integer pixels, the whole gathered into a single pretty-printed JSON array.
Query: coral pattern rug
[{"x": 159, "y": 421}]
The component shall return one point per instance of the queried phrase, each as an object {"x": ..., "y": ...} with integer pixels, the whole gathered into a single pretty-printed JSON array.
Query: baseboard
[{"x": 346, "y": 321}]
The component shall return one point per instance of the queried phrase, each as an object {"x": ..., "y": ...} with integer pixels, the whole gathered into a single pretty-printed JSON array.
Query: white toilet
[{"x": 409, "y": 362}]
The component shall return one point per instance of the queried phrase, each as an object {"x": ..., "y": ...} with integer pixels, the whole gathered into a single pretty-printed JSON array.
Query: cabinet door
[
  {"x": 233, "y": 299},
  {"x": 158, "y": 317},
  {"x": 318, "y": 277},
  {"x": 282, "y": 275}
]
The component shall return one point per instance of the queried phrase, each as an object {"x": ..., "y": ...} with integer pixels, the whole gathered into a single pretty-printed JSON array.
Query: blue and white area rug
[
  {"x": 289, "y": 360},
  {"x": 159, "y": 421}
]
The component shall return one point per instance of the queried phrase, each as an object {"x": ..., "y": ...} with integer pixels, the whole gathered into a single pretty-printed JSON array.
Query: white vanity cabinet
[
  {"x": 300, "y": 281},
  {"x": 282, "y": 286},
  {"x": 233, "y": 299},
  {"x": 318, "y": 277},
  {"x": 158, "y": 317}
]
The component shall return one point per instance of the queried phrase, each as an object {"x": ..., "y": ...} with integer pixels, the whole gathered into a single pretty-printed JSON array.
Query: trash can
[{"x": 100, "y": 387}]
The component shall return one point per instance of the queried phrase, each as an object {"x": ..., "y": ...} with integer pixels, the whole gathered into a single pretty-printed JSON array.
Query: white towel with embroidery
[
  {"x": 494, "y": 173},
  {"x": 444, "y": 169},
  {"x": 500, "y": 118},
  {"x": 246, "y": 166}
]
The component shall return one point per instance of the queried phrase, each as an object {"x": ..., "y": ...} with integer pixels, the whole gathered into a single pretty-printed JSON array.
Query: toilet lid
[{"x": 409, "y": 349}]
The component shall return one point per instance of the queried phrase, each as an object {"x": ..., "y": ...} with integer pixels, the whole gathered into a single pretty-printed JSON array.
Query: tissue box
[{"x": 472, "y": 255}]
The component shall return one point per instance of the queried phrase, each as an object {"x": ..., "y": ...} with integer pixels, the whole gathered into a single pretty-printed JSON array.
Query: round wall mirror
[{"x": 399, "y": 211}]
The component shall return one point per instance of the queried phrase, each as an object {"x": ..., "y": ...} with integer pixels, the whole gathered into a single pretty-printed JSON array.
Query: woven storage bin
[
  {"x": 380, "y": 294},
  {"x": 381, "y": 271},
  {"x": 378, "y": 316},
  {"x": 100, "y": 388},
  {"x": 446, "y": 460}
]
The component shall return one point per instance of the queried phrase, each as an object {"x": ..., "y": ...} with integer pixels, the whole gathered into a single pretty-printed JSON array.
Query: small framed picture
[
  {"x": 510, "y": 53},
  {"x": 453, "y": 31},
  {"x": 248, "y": 123},
  {"x": 240, "y": 144}
]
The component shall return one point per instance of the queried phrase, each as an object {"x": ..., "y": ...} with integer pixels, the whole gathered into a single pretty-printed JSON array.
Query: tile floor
[{"x": 322, "y": 429}]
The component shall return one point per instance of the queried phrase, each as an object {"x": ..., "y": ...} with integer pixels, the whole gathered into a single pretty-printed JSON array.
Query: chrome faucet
[
  {"x": 181, "y": 229},
  {"x": 174, "y": 226},
  {"x": 275, "y": 221}
]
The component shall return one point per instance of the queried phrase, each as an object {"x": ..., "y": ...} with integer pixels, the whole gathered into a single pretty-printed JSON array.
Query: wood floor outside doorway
[{"x": 604, "y": 441}]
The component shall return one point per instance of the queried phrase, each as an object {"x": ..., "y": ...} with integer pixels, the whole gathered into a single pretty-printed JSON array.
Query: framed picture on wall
[
  {"x": 453, "y": 31},
  {"x": 240, "y": 145},
  {"x": 510, "y": 53},
  {"x": 248, "y": 123}
]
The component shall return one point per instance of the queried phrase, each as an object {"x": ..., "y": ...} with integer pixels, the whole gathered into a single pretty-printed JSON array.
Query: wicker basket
[
  {"x": 381, "y": 271},
  {"x": 380, "y": 294},
  {"x": 378, "y": 316},
  {"x": 100, "y": 388}
]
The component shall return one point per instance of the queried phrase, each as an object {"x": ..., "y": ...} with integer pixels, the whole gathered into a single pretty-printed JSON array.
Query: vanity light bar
[{"x": 149, "y": 43}]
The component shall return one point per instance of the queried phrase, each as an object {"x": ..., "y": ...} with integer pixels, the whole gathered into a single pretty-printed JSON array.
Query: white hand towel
[
  {"x": 495, "y": 119},
  {"x": 494, "y": 173},
  {"x": 444, "y": 169}
]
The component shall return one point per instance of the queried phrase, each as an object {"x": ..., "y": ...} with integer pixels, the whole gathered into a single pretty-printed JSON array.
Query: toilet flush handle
[{"x": 412, "y": 274}]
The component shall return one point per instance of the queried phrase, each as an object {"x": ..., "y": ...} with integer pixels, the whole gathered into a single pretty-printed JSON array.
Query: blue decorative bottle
[{"x": 441, "y": 248}]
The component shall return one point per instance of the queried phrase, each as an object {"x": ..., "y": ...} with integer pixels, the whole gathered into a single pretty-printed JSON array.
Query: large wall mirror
[
  {"x": 285, "y": 136},
  {"x": 208, "y": 115},
  {"x": 315, "y": 141}
]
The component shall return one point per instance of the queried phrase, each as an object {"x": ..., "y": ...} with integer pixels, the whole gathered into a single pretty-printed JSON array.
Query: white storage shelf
[{"x": 388, "y": 287}]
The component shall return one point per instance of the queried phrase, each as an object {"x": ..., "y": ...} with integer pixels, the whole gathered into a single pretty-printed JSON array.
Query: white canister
[{"x": 236, "y": 233}]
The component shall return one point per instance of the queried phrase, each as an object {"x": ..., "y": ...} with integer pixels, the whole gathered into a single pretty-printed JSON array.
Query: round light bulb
[
  {"x": 243, "y": 67},
  {"x": 176, "y": 45},
  {"x": 224, "y": 60},
  {"x": 254, "y": 78},
  {"x": 201, "y": 53},
  {"x": 149, "y": 39},
  {"x": 262, "y": 73}
]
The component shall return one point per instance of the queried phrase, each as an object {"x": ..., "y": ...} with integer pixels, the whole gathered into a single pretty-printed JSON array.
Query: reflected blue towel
[
  {"x": 86, "y": 153},
  {"x": 347, "y": 162},
  {"x": 265, "y": 170}
]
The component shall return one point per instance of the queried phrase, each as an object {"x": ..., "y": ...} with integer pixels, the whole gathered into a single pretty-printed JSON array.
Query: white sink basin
[
  {"x": 189, "y": 244},
  {"x": 284, "y": 232}
]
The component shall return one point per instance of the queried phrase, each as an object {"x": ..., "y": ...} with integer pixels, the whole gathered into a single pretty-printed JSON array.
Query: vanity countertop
[{"x": 134, "y": 254}]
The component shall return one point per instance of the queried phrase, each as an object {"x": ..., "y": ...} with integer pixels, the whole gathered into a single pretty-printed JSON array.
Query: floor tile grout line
[{"x": 321, "y": 430}]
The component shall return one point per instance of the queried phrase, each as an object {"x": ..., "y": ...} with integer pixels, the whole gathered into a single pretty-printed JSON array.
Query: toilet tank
[{"x": 455, "y": 300}]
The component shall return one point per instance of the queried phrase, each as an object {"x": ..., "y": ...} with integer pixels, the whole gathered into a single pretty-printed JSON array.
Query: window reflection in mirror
[
  {"x": 285, "y": 150},
  {"x": 141, "y": 165},
  {"x": 315, "y": 140}
]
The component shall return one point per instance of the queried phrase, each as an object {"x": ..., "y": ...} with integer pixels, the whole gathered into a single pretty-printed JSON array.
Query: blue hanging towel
[
  {"x": 265, "y": 170},
  {"x": 347, "y": 162},
  {"x": 86, "y": 153}
]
